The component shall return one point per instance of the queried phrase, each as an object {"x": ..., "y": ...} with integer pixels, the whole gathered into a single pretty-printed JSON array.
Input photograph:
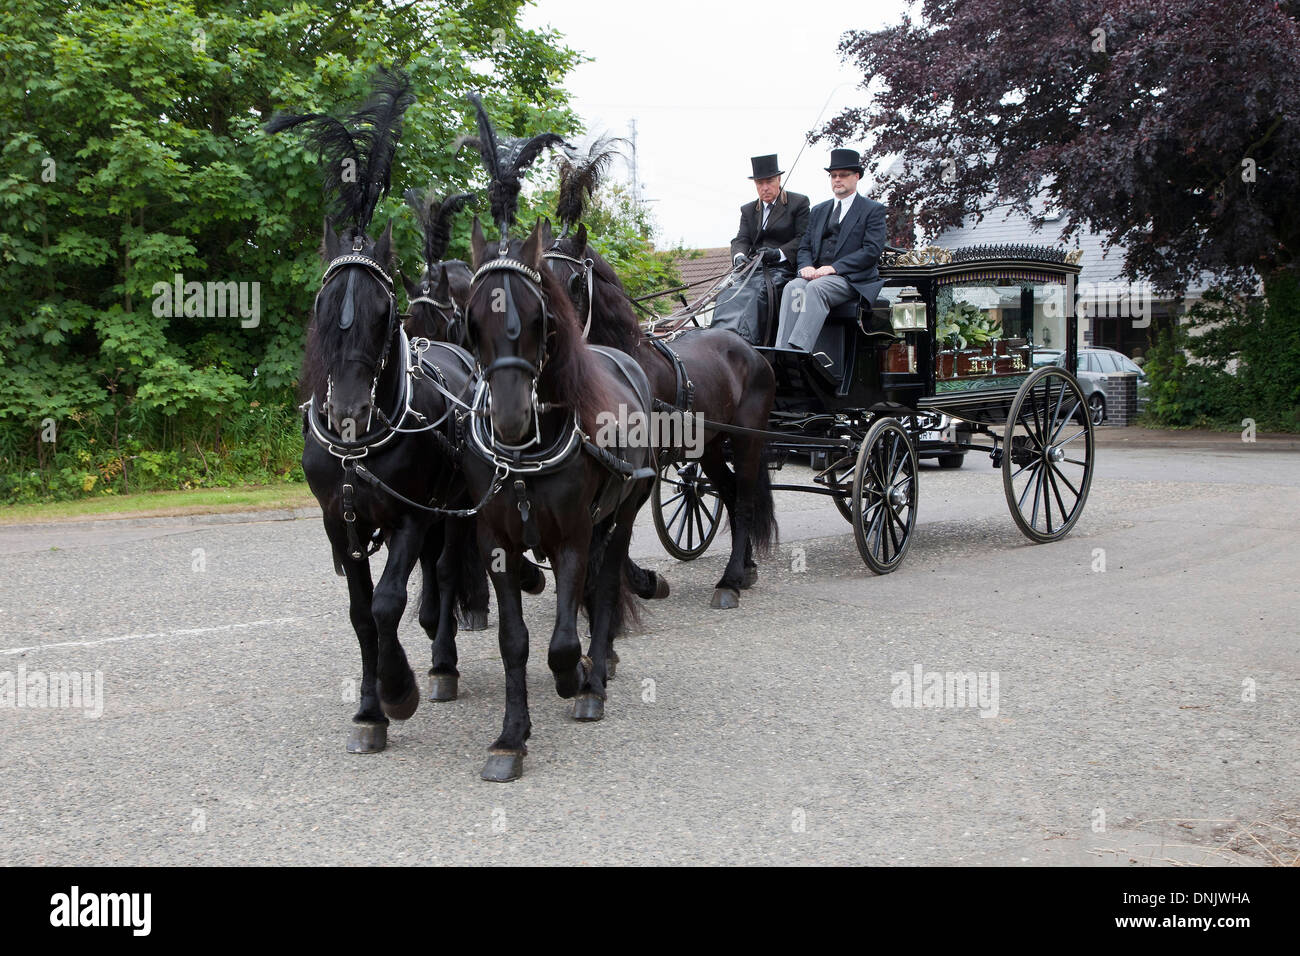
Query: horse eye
[{"x": 574, "y": 285}]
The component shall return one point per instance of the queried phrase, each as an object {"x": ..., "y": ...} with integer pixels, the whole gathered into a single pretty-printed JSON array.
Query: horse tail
[{"x": 763, "y": 531}]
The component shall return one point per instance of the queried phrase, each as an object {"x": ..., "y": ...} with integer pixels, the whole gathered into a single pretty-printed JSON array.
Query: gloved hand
[
  {"x": 738, "y": 260},
  {"x": 771, "y": 256}
]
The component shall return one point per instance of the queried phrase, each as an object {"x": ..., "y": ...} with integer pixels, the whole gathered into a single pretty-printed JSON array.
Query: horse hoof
[
  {"x": 611, "y": 666},
  {"x": 443, "y": 687},
  {"x": 661, "y": 587},
  {"x": 725, "y": 598},
  {"x": 367, "y": 738},
  {"x": 503, "y": 766},
  {"x": 588, "y": 707},
  {"x": 404, "y": 708},
  {"x": 533, "y": 581},
  {"x": 567, "y": 684},
  {"x": 751, "y": 578},
  {"x": 475, "y": 620}
]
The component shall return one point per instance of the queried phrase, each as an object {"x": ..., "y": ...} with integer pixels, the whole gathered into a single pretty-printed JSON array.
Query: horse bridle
[
  {"x": 583, "y": 269},
  {"x": 357, "y": 258},
  {"x": 514, "y": 328},
  {"x": 449, "y": 311}
]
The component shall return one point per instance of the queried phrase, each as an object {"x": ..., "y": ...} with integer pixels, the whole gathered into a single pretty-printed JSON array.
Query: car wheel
[{"x": 1097, "y": 408}]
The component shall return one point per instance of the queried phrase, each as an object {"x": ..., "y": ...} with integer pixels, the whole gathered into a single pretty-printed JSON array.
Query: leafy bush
[{"x": 1230, "y": 361}]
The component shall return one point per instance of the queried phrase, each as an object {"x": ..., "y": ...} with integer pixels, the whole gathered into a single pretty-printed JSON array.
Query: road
[{"x": 1133, "y": 702}]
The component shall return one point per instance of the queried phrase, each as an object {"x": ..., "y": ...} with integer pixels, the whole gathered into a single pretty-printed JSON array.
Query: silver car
[{"x": 1094, "y": 366}]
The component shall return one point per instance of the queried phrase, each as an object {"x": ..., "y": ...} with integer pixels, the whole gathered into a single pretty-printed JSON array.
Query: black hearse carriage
[{"x": 940, "y": 365}]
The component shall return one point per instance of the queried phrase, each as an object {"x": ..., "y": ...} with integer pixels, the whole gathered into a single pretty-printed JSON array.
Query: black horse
[
  {"x": 543, "y": 394},
  {"x": 730, "y": 383},
  {"x": 378, "y": 450},
  {"x": 436, "y": 300}
]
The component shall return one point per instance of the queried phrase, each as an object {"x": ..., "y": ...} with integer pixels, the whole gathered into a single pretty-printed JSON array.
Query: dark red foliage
[{"x": 1144, "y": 140}]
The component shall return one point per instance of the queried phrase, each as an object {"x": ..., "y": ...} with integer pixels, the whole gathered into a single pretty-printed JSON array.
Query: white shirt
[{"x": 842, "y": 206}]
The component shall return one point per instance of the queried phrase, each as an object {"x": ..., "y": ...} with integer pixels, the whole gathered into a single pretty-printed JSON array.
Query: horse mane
[
  {"x": 367, "y": 140},
  {"x": 571, "y": 368},
  {"x": 614, "y": 322}
]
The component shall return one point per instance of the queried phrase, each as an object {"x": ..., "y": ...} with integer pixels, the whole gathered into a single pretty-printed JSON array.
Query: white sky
[{"x": 710, "y": 85}]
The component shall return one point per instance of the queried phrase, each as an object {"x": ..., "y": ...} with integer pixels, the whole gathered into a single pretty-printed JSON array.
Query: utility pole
[{"x": 636, "y": 182}]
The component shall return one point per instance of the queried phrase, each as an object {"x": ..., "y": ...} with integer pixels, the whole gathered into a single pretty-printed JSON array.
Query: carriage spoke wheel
[
  {"x": 842, "y": 474},
  {"x": 1047, "y": 455},
  {"x": 687, "y": 510},
  {"x": 884, "y": 496}
]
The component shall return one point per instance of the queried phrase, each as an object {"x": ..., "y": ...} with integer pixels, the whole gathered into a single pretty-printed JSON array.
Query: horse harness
[
  {"x": 584, "y": 270},
  {"x": 517, "y": 463}
]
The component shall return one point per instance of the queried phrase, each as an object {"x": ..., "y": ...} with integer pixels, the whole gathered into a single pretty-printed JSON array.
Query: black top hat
[
  {"x": 845, "y": 159},
  {"x": 765, "y": 167}
]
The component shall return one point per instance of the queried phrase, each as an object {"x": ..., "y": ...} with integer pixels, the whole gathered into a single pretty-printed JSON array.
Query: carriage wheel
[
  {"x": 687, "y": 510},
  {"x": 842, "y": 502},
  {"x": 884, "y": 496},
  {"x": 1047, "y": 455}
]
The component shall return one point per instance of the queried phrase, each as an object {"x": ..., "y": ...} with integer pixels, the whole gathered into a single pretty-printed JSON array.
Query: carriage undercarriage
[{"x": 886, "y": 392}]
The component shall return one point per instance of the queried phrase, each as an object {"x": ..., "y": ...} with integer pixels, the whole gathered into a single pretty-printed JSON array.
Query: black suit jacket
[
  {"x": 857, "y": 248},
  {"x": 785, "y": 226}
]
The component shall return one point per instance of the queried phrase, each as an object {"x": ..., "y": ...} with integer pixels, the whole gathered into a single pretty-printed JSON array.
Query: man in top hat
[
  {"x": 837, "y": 258},
  {"x": 772, "y": 228}
]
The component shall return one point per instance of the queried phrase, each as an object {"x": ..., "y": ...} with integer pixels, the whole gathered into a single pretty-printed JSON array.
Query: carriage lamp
[{"x": 908, "y": 313}]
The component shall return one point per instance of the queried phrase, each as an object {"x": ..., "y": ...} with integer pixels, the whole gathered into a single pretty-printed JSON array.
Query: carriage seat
[{"x": 850, "y": 326}]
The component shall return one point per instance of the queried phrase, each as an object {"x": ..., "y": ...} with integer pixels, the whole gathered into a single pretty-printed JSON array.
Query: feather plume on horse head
[
  {"x": 434, "y": 214},
  {"x": 505, "y": 162},
  {"x": 367, "y": 140},
  {"x": 579, "y": 177}
]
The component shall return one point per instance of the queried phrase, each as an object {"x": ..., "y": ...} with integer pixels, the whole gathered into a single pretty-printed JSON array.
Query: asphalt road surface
[{"x": 1135, "y": 706}]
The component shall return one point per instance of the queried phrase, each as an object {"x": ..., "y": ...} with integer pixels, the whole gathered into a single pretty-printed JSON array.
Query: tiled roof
[{"x": 711, "y": 263}]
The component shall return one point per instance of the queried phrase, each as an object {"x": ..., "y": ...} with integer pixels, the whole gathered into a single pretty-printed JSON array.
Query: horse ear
[
  {"x": 582, "y": 237},
  {"x": 329, "y": 243},
  {"x": 477, "y": 243},
  {"x": 547, "y": 236},
  {"x": 531, "y": 254},
  {"x": 384, "y": 247},
  {"x": 442, "y": 290},
  {"x": 412, "y": 289}
]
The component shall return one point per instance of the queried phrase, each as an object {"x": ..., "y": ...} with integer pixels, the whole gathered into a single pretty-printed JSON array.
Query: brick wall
[{"x": 1121, "y": 398}]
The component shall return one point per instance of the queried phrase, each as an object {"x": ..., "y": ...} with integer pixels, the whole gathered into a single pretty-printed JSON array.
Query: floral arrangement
[{"x": 966, "y": 325}]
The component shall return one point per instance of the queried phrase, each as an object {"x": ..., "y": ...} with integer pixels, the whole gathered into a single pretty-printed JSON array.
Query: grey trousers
[{"x": 804, "y": 307}]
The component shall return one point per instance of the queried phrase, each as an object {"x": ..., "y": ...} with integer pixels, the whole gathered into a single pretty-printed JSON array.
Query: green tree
[{"x": 133, "y": 152}]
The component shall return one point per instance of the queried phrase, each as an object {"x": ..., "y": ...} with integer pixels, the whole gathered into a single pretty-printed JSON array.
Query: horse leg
[
  {"x": 650, "y": 585},
  {"x": 605, "y": 597},
  {"x": 398, "y": 693},
  {"x": 369, "y": 733},
  {"x": 726, "y": 593},
  {"x": 441, "y": 563},
  {"x": 564, "y": 657},
  {"x": 506, "y": 755}
]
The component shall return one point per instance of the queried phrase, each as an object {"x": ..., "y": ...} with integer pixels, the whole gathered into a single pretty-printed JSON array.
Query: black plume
[
  {"x": 505, "y": 163},
  {"x": 360, "y": 151},
  {"x": 579, "y": 177},
  {"x": 434, "y": 215}
]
